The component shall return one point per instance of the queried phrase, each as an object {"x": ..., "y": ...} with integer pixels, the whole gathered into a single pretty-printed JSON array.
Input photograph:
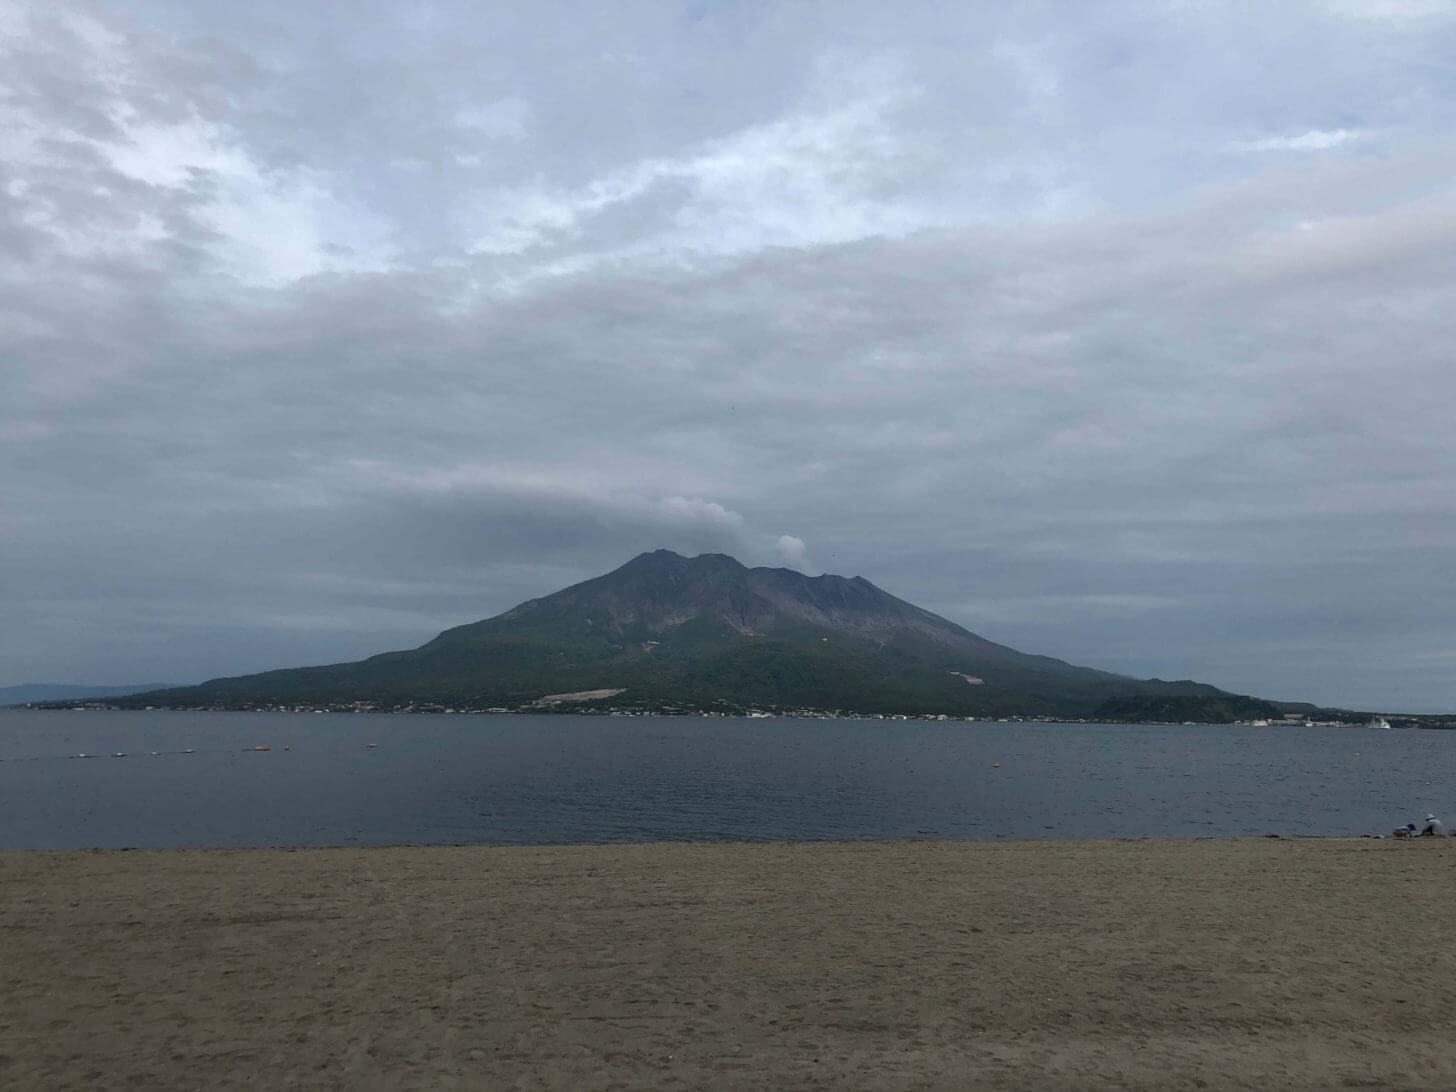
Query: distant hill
[
  {"x": 1183, "y": 708},
  {"x": 28, "y": 692},
  {"x": 705, "y": 633}
]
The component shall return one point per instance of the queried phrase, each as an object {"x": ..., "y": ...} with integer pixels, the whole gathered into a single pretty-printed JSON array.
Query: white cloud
[
  {"x": 808, "y": 179},
  {"x": 154, "y": 173},
  {"x": 504, "y": 119},
  {"x": 270, "y": 226},
  {"x": 1395, "y": 11},
  {"x": 1309, "y": 141}
]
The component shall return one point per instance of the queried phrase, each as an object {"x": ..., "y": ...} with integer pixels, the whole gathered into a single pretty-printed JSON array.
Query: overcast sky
[{"x": 1120, "y": 332}]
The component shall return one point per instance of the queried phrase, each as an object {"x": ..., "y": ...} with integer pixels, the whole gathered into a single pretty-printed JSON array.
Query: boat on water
[{"x": 1380, "y": 722}]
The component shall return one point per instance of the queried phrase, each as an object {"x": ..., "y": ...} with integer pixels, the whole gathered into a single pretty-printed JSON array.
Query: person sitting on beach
[
  {"x": 1433, "y": 827},
  {"x": 1407, "y": 831}
]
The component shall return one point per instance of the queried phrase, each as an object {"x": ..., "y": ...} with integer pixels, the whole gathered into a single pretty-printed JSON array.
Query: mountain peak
[{"x": 673, "y": 561}]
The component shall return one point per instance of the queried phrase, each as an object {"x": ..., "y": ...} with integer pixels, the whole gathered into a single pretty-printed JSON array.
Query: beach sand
[{"x": 1151, "y": 964}]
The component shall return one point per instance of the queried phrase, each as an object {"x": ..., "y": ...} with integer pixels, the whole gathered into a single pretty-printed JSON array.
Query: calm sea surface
[{"x": 553, "y": 779}]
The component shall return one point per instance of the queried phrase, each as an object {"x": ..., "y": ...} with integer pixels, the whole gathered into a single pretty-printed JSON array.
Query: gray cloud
[{"x": 1080, "y": 324}]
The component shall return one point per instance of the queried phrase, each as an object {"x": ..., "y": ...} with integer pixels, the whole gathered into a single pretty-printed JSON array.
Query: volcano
[{"x": 706, "y": 633}]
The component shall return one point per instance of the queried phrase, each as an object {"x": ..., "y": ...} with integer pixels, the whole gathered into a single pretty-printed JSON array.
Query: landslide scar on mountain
[{"x": 580, "y": 695}]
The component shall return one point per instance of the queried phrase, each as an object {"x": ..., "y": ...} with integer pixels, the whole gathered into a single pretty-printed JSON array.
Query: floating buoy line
[{"x": 255, "y": 749}]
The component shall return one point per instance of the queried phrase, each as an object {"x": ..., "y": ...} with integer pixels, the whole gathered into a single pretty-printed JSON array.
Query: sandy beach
[{"x": 1212, "y": 964}]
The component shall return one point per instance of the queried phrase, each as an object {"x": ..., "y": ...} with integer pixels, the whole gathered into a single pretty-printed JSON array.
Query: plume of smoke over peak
[{"x": 794, "y": 554}]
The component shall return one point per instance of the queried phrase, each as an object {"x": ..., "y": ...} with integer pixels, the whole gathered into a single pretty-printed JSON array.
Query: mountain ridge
[{"x": 707, "y": 633}]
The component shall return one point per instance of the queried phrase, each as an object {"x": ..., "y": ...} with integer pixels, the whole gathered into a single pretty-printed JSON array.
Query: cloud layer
[{"x": 1112, "y": 332}]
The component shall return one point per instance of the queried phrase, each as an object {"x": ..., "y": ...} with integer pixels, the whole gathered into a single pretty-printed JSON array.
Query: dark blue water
[{"x": 553, "y": 779}]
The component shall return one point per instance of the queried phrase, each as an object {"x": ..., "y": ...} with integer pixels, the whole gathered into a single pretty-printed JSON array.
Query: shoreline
[
  {"x": 1140, "y": 963},
  {"x": 767, "y": 844},
  {"x": 1357, "y": 720},
  {"x": 1388, "y": 721}
]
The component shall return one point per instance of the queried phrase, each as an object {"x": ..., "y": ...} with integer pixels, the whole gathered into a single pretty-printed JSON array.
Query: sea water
[{"x": 171, "y": 779}]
